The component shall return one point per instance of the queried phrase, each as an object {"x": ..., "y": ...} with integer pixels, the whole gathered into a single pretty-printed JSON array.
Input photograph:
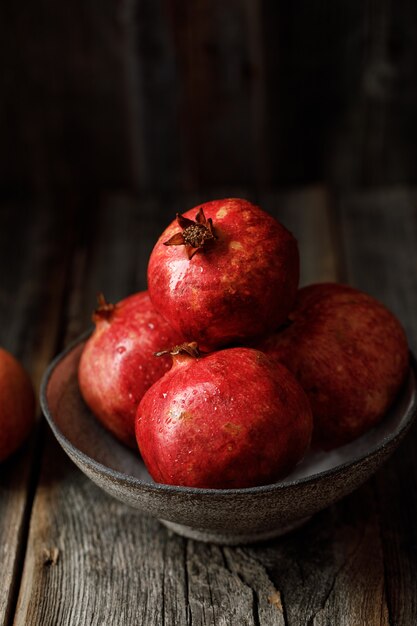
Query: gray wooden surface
[{"x": 71, "y": 555}]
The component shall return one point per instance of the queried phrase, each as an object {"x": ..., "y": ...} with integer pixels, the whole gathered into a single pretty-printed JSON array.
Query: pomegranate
[
  {"x": 229, "y": 419},
  {"x": 17, "y": 404},
  {"x": 349, "y": 354},
  {"x": 117, "y": 364},
  {"x": 224, "y": 272}
]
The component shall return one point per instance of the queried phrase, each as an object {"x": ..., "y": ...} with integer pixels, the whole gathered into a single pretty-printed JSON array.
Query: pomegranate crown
[
  {"x": 190, "y": 349},
  {"x": 195, "y": 234},
  {"x": 104, "y": 310}
]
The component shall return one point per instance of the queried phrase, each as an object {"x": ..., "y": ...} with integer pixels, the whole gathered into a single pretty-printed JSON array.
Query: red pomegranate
[
  {"x": 118, "y": 365},
  {"x": 223, "y": 272},
  {"x": 350, "y": 355},
  {"x": 17, "y": 404},
  {"x": 229, "y": 419}
]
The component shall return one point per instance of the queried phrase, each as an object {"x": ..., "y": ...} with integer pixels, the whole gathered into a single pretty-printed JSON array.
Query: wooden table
[{"x": 71, "y": 555}]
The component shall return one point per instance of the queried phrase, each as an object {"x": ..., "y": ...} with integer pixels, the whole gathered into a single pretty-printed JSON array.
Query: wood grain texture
[
  {"x": 331, "y": 571},
  {"x": 33, "y": 256},
  {"x": 93, "y": 567}
]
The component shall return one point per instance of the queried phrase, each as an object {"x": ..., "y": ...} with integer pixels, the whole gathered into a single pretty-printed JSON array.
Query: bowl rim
[{"x": 116, "y": 475}]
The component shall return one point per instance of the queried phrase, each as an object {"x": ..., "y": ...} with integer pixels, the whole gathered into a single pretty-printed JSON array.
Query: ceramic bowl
[{"x": 229, "y": 516}]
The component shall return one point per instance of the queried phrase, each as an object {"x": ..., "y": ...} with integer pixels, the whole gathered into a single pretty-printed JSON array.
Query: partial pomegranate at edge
[
  {"x": 350, "y": 355},
  {"x": 17, "y": 404},
  {"x": 229, "y": 419},
  {"x": 118, "y": 365},
  {"x": 224, "y": 272}
]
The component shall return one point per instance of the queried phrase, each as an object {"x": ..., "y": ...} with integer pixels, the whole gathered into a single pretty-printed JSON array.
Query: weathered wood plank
[
  {"x": 331, "y": 571},
  {"x": 34, "y": 247},
  {"x": 381, "y": 245},
  {"x": 94, "y": 561}
]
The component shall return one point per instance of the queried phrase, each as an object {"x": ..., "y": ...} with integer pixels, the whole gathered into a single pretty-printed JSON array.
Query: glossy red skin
[
  {"x": 118, "y": 364},
  {"x": 239, "y": 286},
  {"x": 350, "y": 355},
  {"x": 230, "y": 419},
  {"x": 17, "y": 405}
]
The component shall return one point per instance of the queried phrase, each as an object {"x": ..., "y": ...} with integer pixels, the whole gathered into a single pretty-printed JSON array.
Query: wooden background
[
  {"x": 116, "y": 114},
  {"x": 164, "y": 94}
]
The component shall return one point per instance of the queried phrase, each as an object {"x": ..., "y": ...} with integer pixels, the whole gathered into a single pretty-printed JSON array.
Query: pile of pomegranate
[{"x": 224, "y": 373}]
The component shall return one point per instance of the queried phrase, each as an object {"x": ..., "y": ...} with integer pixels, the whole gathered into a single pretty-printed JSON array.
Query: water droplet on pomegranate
[
  {"x": 121, "y": 349},
  {"x": 164, "y": 395},
  {"x": 151, "y": 326}
]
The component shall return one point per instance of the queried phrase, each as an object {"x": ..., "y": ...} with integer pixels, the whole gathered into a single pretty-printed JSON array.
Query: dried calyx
[
  {"x": 190, "y": 349},
  {"x": 195, "y": 234},
  {"x": 105, "y": 309}
]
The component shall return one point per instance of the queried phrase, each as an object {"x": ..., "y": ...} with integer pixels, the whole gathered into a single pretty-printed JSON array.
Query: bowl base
[{"x": 231, "y": 539}]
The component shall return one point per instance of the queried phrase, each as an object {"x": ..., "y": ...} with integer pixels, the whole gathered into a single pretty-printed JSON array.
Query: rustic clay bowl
[{"x": 220, "y": 515}]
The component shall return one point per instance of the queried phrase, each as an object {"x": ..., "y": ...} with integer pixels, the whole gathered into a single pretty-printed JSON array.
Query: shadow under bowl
[{"x": 229, "y": 516}]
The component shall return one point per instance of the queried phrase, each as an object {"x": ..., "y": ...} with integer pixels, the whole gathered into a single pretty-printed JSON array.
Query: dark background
[{"x": 169, "y": 96}]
